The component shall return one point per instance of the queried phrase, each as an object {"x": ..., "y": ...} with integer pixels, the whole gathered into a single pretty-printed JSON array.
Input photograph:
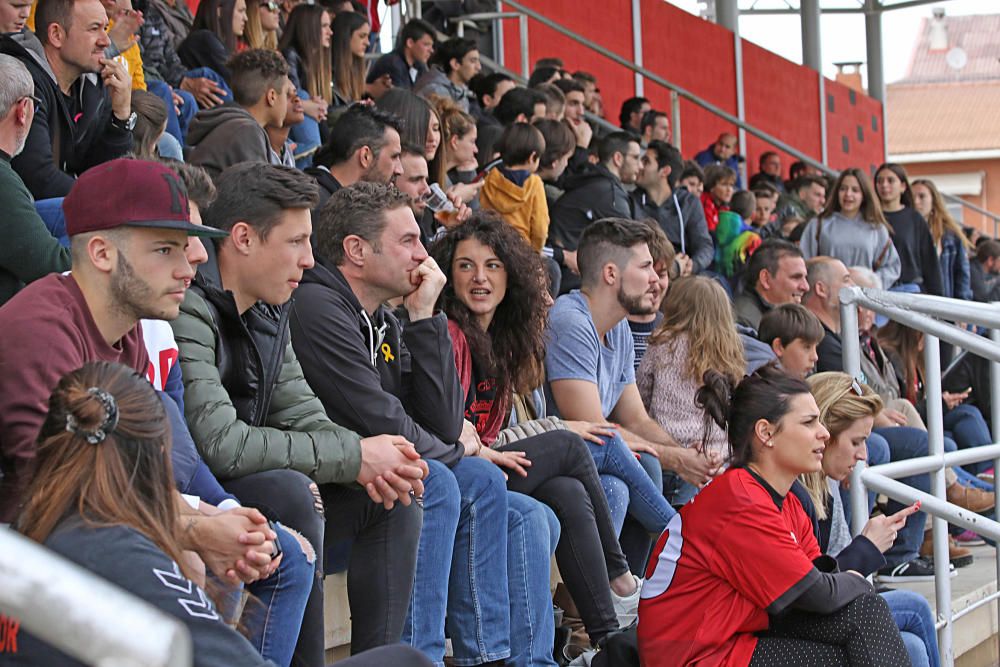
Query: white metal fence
[{"x": 919, "y": 312}]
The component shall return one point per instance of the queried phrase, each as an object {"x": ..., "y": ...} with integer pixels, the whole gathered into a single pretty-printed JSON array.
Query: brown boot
[
  {"x": 974, "y": 500},
  {"x": 959, "y": 556}
]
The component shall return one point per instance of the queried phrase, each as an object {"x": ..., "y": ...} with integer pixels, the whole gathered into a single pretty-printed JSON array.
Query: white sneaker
[{"x": 627, "y": 608}]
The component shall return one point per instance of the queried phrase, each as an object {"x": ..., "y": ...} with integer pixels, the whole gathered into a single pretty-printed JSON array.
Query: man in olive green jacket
[{"x": 251, "y": 412}]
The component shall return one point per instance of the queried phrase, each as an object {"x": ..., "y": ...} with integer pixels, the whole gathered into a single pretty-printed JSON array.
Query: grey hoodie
[
  {"x": 854, "y": 242},
  {"x": 224, "y": 136}
]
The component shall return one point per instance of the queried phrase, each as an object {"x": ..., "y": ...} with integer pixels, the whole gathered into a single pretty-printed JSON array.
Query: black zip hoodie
[
  {"x": 61, "y": 145},
  {"x": 374, "y": 373}
]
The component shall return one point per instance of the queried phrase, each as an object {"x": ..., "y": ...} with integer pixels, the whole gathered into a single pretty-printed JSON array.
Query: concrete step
[{"x": 974, "y": 635}]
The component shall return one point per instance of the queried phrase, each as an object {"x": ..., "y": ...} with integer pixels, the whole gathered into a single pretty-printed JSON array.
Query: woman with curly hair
[
  {"x": 497, "y": 305},
  {"x": 697, "y": 334}
]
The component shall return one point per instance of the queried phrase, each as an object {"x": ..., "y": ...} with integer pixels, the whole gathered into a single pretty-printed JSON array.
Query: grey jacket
[
  {"x": 854, "y": 242},
  {"x": 224, "y": 136},
  {"x": 435, "y": 82}
]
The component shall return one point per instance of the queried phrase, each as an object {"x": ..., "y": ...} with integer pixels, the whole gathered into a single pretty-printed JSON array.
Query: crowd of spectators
[{"x": 271, "y": 311}]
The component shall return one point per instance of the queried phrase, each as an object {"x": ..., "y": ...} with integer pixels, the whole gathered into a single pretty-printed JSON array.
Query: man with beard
[
  {"x": 31, "y": 252},
  {"x": 83, "y": 114},
  {"x": 589, "y": 359},
  {"x": 128, "y": 263},
  {"x": 364, "y": 145}
]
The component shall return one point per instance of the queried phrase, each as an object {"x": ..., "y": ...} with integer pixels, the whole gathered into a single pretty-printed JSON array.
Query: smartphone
[{"x": 490, "y": 166}]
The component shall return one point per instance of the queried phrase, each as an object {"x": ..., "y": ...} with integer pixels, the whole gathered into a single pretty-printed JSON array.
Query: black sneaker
[{"x": 918, "y": 569}]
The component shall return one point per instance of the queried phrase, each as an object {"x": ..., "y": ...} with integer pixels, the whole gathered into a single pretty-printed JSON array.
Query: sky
[{"x": 843, "y": 35}]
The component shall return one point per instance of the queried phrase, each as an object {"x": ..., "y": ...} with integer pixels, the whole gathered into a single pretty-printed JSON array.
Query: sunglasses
[{"x": 271, "y": 6}]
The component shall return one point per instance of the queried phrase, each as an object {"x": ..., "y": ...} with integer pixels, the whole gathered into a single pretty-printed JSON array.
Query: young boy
[
  {"x": 514, "y": 190},
  {"x": 793, "y": 334},
  {"x": 766, "y": 199},
  {"x": 692, "y": 178}
]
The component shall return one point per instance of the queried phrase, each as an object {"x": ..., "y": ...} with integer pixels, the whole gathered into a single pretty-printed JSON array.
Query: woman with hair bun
[
  {"x": 734, "y": 571},
  {"x": 103, "y": 497}
]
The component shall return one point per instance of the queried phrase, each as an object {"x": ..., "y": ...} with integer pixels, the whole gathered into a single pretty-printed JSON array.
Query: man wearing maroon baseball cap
[{"x": 129, "y": 224}]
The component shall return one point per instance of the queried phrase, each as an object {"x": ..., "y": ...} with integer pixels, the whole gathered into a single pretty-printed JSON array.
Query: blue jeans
[
  {"x": 906, "y": 443},
  {"x": 965, "y": 424},
  {"x": 51, "y": 213},
  {"x": 273, "y": 616},
  {"x": 632, "y": 486},
  {"x": 532, "y": 535},
  {"x": 306, "y": 137},
  {"x": 915, "y": 620},
  {"x": 462, "y": 565},
  {"x": 677, "y": 492},
  {"x": 209, "y": 73}
]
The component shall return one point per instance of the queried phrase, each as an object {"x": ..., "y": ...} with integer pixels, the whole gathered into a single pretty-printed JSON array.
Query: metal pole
[
  {"x": 876, "y": 70},
  {"x": 727, "y": 14},
  {"x": 935, "y": 436},
  {"x": 522, "y": 25},
  {"x": 851, "y": 358},
  {"x": 812, "y": 57},
  {"x": 995, "y": 420},
  {"x": 811, "y": 40},
  {"x": 741, "y": 134},
  {"x": 637, "y": 44},
  {"x": 498, "y": 47},
  {"x": 675, "y": 119}
]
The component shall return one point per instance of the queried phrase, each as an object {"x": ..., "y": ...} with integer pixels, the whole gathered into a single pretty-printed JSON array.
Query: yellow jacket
[
  {"x": 131, "y": 56},
  {"x": 522, "y": 206}
]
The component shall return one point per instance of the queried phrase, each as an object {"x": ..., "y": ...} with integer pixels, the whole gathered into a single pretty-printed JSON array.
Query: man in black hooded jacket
[
  {"x": 83, "y": 114},
  {"x": 596, "y": 192}
]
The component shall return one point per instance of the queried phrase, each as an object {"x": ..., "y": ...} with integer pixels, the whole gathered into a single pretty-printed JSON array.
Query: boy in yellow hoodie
[{"x": 514, "y": 190}]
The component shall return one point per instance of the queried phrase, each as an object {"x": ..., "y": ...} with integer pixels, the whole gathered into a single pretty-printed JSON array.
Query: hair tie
[{"x": 98, "y": 435}]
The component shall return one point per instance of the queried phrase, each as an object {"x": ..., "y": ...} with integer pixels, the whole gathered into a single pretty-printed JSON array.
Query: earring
[{"x": 769, "y": 443}]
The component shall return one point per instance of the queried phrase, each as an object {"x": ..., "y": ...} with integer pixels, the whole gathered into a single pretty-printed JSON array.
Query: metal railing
[
  {"x": 918, "y": 311},
  {"x": 81, "y": 614},
  {"x": 522, "y": 13}
]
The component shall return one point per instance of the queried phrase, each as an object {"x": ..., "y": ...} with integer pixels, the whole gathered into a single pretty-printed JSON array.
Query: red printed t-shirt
[
  {"x": 724, "y": 561},
  {"x": 48, "y": 331},
  {"x": 483, "y": 407}
]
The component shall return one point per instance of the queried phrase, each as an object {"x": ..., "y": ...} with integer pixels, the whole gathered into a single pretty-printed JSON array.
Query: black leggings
[
  {"x": 563, "y": 476},
  {"x": 289, "y": 497},
  {"x": 862, "y": 633}
]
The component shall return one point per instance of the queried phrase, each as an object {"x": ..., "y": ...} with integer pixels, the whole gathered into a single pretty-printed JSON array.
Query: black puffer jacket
[{"x": 593, "y": 194}]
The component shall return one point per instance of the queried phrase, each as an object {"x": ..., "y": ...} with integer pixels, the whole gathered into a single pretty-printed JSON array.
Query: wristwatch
[{"x": 128, "y": 124}]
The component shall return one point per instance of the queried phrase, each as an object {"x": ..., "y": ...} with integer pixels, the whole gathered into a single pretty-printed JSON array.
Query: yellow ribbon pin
[{"x": 387, "y": 353}]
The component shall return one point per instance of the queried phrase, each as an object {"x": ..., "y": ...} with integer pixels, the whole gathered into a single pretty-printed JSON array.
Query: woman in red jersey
[{"x": 737, "y": 578}]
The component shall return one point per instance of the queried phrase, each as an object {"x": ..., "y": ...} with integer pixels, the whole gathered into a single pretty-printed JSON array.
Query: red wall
[{"x": 780, "y": 97}]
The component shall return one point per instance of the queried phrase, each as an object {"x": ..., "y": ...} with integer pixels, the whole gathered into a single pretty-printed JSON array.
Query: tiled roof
[
  {"x": 977, "y": 36},
  {"x": 943, "y": 117}
]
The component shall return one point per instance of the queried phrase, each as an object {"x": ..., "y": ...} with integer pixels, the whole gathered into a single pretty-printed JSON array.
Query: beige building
[{"x": 943, "y": 118}]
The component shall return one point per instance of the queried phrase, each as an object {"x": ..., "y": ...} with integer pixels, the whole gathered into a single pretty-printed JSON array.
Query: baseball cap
[{"x": 132, "y": 193}]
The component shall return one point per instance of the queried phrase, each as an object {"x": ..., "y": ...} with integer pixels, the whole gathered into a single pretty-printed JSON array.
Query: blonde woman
[
  {"x": 951, "y": 243},
  {"x": 261, "y": 31},
  {"x": 697, "y": 334},
  {"x": 847, "y": 409}
]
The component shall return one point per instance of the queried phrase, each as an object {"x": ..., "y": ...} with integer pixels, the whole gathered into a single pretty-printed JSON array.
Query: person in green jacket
[
  {"x": 29, "y": 251},
  {"x": 251, "y": 411}
]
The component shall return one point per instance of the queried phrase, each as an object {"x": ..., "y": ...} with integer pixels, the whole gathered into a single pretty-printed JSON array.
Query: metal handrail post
[
  {"x": 851, "y": 358},
  {"x": 995, "y": 421},
  {"x": 935, "y": 437}
]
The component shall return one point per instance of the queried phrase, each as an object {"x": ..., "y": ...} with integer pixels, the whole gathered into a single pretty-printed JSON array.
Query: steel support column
[
  {"x": 727, "y": 14},
  {"x": 637, "y": 45},
  {"x": 812, "y": 57}
]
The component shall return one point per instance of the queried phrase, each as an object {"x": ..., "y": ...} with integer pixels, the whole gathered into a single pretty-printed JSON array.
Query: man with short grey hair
[{"x": 29, "y": 251}]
